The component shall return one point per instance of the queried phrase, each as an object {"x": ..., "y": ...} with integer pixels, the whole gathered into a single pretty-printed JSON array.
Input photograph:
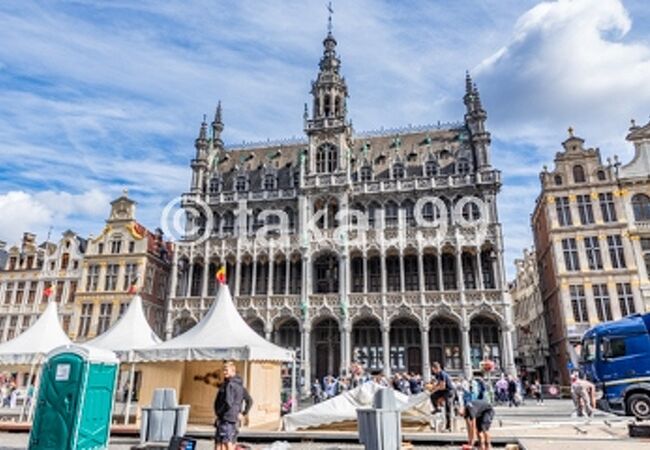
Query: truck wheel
[{"x": 639, "y": 406}]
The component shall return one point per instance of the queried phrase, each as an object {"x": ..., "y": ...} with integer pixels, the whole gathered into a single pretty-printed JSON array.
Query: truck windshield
[{"x": 588, "y": 350}]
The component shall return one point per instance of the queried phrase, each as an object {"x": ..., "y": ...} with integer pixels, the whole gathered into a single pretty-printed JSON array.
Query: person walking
[
  {"x": 443, "y": 391},
  {"x": 478, "y": 416},
  {"x": 231, "y": 405},
  {"x": 512, "y": 391},
  {"x": 536, "y": 389}
]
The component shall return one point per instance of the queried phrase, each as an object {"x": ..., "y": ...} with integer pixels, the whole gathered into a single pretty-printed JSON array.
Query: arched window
[
  {"x": 269, "y": 182},
  {"x": 463, "y": 166},
  {"x": 409, "y": 214},
  {"x": 578, "y": 174},
  {"x": 326, "y": 158},
  {"x": 327, "y": 107},
  {"x": 326, "y": 274},
  {"x": 601, "y": 175},
  {"x": 372, "y": 214},
  {"x": 228, "y": 222},
  {"x": 398, "y": 170},
  {"x": 430, "y": 168},
  {"x": 558, "y": 180},
  {"x": 337, "y": 106},
  {"x": 471, "y": 212},
  {"x": 641, "y": 207}
]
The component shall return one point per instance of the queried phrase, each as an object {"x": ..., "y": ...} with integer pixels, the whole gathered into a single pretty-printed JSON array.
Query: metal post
[
  {"x": 294, "y": 397},
  {"x": 127, "y": 410}
]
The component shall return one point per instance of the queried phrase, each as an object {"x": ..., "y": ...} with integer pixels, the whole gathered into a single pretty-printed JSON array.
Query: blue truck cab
[{"x": 616, "y": 358}]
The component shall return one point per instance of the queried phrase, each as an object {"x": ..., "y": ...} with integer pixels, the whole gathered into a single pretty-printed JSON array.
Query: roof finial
[
  {"x": 570, "y": 132},
  {"x": 468, "y": 82},
  {"x": 329, "y": 18},
  {"x": 217, "y": 113}
]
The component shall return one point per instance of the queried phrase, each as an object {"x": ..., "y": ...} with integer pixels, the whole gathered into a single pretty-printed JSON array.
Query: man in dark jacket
[
  {"x": 231, "y": 397},
  {"x": 478, "y": 419}
]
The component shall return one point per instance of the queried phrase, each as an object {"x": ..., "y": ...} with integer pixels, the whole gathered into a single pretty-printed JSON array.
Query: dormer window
[
  {"x": 398, "y": 170},
  {"x": 326, "y": 158},
  {"x": 578, "y": 174},
  {"x": 241, "y": 184},
  {"x": 558, "y": 180},
  {"x": 269, "y": 182},
  {"x": 215, "y": 185},
  {"x": 430, "y": 168},
  {"x": 365, "y": 174},
  {"x": 601, "y": 175}
]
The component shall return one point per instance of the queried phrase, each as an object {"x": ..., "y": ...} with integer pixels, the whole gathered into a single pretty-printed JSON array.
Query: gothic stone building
[
  {"x": 394, "y": 294},
  {"x": 592, "y": 237}
]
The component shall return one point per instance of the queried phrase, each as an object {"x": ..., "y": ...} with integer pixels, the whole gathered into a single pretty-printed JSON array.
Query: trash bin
[
  {"x": 380, "y": 427},
  {"x": 75, "y": 399}
]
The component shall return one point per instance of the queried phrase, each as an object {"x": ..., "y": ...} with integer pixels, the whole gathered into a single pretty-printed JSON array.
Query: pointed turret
[
  {"x": 200, "y": 162},
  {"x": 217, "y": 127},
  {"x": 475, "y": 118}
]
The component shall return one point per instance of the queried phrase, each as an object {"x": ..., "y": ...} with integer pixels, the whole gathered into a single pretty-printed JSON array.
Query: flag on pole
[
  {"x": 133, "y": 288},
  {"x": 48, "y": 291},
  {"x": 221, "y": 275}
]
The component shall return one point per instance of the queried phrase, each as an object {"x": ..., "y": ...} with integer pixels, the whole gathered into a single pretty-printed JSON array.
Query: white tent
[
  {"x": 221, "y": 334},
  {"x": 343, "y": 408},
  {"x": 44, "y": 335},
  {"x": 192, "y": 364},
  {"x": 131, "y": 331}
]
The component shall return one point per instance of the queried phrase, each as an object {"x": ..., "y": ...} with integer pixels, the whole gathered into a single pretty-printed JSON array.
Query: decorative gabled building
[
  {"x": 383, "y": 248},
  {"x": 28, "y": 271},
  {"x": 123, "y": 258},
  {"x": 531, "y": 354},
  {"x": 591, "y": 238}
]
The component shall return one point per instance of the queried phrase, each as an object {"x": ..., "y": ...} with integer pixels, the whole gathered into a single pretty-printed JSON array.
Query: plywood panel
[
  {"x": 158, "y": 375},
  {"x": 264, "y": 383}
]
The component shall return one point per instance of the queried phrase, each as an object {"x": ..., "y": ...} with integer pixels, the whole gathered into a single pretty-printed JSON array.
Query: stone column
[
  {"x": 238, "y": 274},
  {"x": 366, "y": 277},
  {"x": 383, "y": 273},
  {"x": 287, "y": 274},
  {"x": 401, "y": 271},
  {"x": 346, "y": 352},
  {"x": 421, "y": 271},
  {"x": 441, "y": 286},
  {"x": 426, "y": 363},
  {"x": 268, "y": 331},
  {"x": 190, "y": 275},
  {"x": 254, "y": 279},
  {"x": 385, "y": 339},
  {"x": 459, "y": 269},
  {"x": 613, "y": 300},
  {"x": 479, "y": 271},
  {"x": 507, "y": 350},
  {"x": 206, "y": 276},
  {"x": 467, "y": 360},
  {"x": 306, "y": 362},
  {"x": 269, "y": 274}
]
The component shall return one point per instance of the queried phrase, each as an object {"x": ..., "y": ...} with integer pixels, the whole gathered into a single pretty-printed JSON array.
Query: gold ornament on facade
[
  {"x": 594, "y": 195},
  {"x": 107, "y": 229},
  {"x": 135, "y": 230}
]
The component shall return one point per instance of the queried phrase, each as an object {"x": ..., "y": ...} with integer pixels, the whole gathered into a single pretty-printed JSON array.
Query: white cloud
[
  {"x": 568, "y": 63},
  {"x": 21, "y": 211}
]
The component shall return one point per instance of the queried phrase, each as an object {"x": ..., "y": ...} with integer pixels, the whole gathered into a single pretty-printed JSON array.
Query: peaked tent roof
[
  {"x": 221, "y": 334},
  {"x": 131, "y": 331},
  {"x": 44, "y": 335}
]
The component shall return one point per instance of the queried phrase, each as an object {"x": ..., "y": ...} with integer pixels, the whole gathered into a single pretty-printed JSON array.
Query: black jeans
[{"x": 448, "y": 397}]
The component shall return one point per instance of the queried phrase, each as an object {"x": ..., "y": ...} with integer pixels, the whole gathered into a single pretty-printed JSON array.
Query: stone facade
[
  {"x": 530, "y": 326},
  {"x": 328, "y": 250},
  {"x": 28, "y": 270},
  {"x": 125, "y": 254},
  {"x": 589, "y": 226}
]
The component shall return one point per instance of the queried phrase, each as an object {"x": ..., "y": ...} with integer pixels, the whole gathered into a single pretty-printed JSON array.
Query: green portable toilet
[{"x": 75, "y": 399}]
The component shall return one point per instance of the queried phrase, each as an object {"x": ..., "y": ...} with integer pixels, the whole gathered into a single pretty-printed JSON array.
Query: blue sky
[{"x": 98, "y": 96}]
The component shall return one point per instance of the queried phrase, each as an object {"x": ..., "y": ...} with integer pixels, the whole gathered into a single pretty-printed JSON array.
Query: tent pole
[
  {"x": 293, "y": 384},
  {"x": 29, "y": 384},
  {"x": 37, "y": 386},
  {"x": 129, "y": 394}
]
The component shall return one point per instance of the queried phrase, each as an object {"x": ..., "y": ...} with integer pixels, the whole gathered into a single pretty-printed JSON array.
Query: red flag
[
  {"x": 221, "y": 275},
  {"x": 48, "y": 291}
]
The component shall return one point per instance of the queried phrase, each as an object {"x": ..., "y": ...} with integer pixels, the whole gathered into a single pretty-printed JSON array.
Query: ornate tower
[
  {"x": 328, "y": 130},
  {"x": 475, "y": 117},
  {"x": 200, "y": 161}
]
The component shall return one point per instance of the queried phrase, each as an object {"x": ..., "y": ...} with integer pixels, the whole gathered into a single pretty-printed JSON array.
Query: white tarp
[
  {"x": 344, "y": 407},
  {"x": 44, "y": 335},
  {"x": 131, "y": 331},
  {"x": 221, "y": 334}
]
